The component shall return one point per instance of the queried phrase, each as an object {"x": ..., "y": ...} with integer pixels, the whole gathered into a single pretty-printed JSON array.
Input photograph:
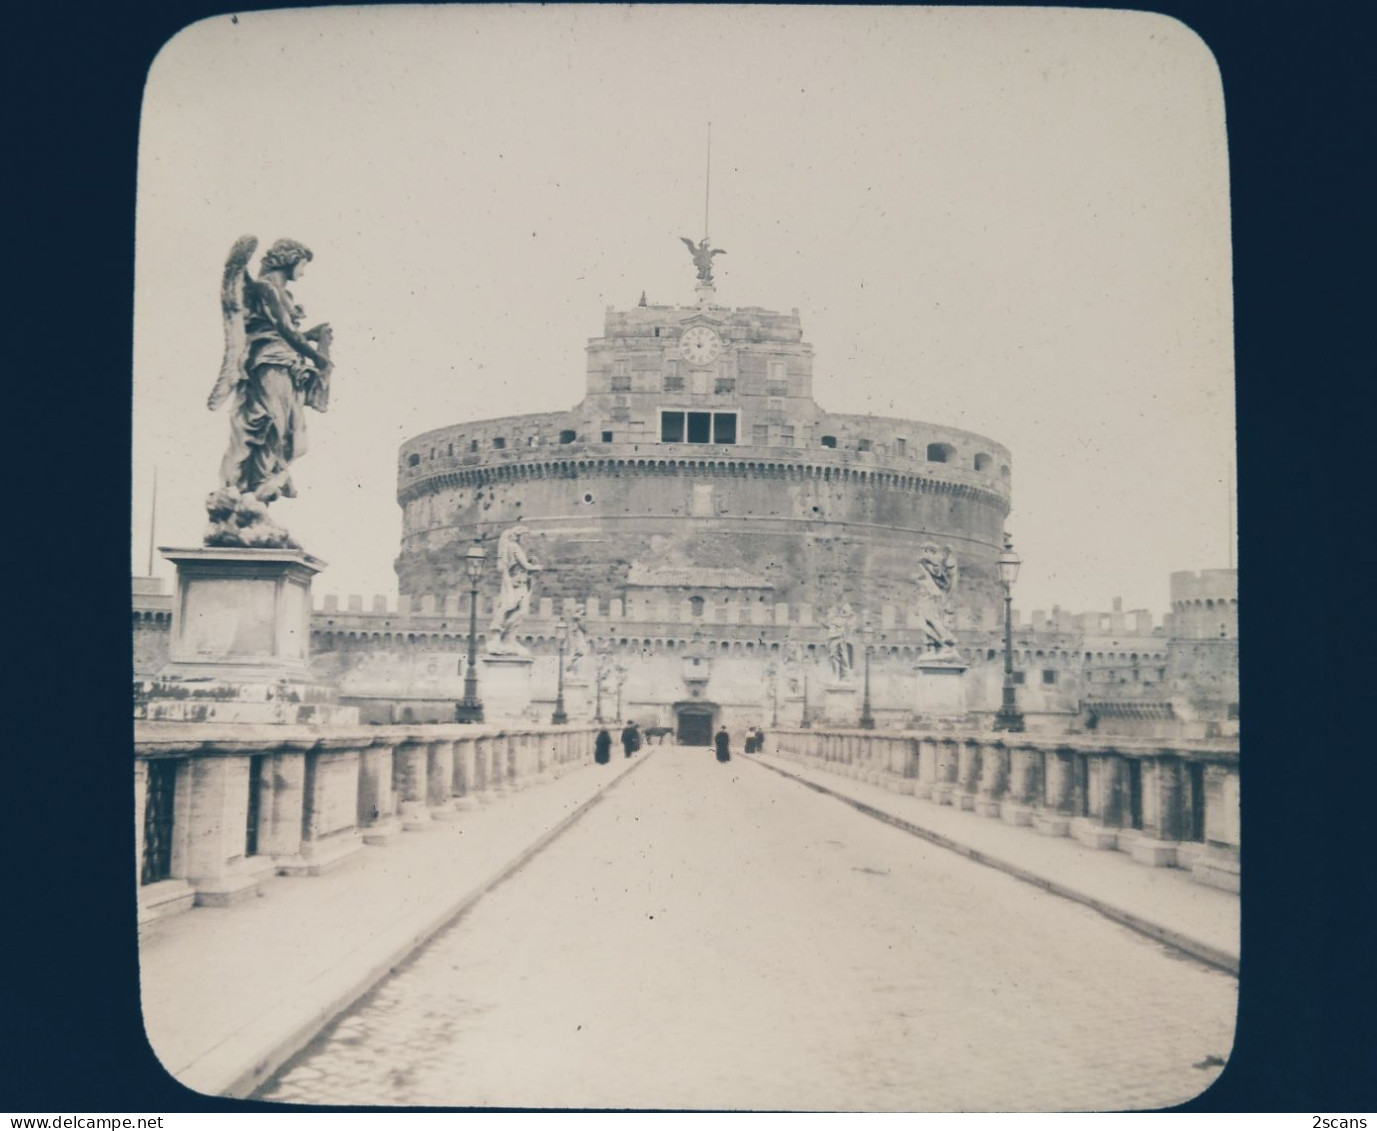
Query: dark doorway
[
  {"x": 695, "y": 728},
  {"x": 159, "y": 804},
  {"x": 1135, "y": 794}
]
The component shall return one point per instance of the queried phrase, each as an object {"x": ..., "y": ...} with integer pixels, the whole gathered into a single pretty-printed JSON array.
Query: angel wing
[
  {"x": 688, "y": 243},
  {"x": 718, "y": 251},
  {"x": 232, "y": 286}
]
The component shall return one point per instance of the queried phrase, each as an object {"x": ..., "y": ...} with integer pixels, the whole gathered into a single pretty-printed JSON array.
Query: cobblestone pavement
[{"x": 714, "y": 936}]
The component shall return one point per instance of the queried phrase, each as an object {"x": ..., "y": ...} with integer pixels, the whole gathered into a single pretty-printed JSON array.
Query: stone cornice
[{"x": 716, "y": 464}]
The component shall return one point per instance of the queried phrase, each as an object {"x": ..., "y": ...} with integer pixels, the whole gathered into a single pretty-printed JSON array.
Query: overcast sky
[{"x": 1009, "y": 221}]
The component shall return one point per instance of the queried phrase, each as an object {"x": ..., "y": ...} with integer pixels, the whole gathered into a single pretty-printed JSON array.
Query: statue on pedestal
[
  {"x": 517, "y": 571},
  {"x": 702, "y": 253},
  {"x": 937, "y": 577},
  {"x": 272, "y": 372},
  {"x": 578, "y": 643},
  {"x": 792, "y": 658},
  {"x": 841, "y": 623}
]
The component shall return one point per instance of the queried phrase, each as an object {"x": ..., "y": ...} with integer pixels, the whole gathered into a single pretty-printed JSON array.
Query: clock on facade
[{"x": 698, "y": 345}]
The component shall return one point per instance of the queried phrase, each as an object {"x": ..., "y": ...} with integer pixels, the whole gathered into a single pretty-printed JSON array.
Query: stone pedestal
[
  {"x": 1155, "y": 853},
  {"x": 1012, "y": 813},
  {"x": 941, "y": 691},
  {"x": 791, "y": 710},
  {"x": 578, "y": 699},
  {"x": 240, "y": 645},
  {"x": 840, "y": 704},
  {"x": 1217, "y": 869},
  {"x": 1051, "y": 824},
  {"x": 164, "y": 898},
  {"x": 504, "y": 685},
  {"x": 1093, "y": 834}
]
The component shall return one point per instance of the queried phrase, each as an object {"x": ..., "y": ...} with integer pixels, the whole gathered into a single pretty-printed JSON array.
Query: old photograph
[{"x": 684, "y": 559}]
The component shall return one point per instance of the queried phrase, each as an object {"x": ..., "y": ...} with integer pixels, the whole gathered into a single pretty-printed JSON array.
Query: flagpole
[{"x": 707, "y": 183}]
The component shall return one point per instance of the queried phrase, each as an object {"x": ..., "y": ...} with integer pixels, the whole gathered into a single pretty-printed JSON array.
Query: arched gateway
[{"x": 693, "y": 722}]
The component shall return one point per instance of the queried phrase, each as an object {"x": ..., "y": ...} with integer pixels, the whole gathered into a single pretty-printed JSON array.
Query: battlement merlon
[
  {"x": 400, "y": 613},
  {"x": 1205, "y": 584},
  {"x": 734, "y": 324}
]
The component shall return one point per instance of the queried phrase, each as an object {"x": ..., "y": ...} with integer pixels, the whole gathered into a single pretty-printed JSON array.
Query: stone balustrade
[
  {"x": 1166, "y": 804},
  {"x": 218, "y": 809}
]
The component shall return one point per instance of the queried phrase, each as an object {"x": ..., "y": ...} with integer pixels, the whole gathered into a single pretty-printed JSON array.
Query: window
[
  {"x": 473, "y": 445},
  {"x": 697, "y": 606},
  {"x": 621, "y": 384},
  {"x": 1049, "y": 675},
  {"x": 451, "y": 449},
  {"x": 760, "y": 434},
  {"x": 674, "y": 383},
  {"x": 982, "y": 461},
  {"x": 1018, "y": 677},
  {"x": 777, "y": 384},
  {"x": 940, "y": 453},
  {"x": 413, "y": 459},
  {"x": 863, "y": 445},
  {"x": 607, "y": 437},
  {"x": 786, "y": 435},
  {"x": 499, "y": 442},
  {"x": 901, "y": 446},
  {"x": 725, "y": 385},
  {"x": 829, "y": 441},
  {"x": 568, "y": 436},
  {"x": 698, "y": 427}
]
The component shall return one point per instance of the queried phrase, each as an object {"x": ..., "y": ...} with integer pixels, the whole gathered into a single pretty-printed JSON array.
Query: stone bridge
[{"x": 484, "y": 916}]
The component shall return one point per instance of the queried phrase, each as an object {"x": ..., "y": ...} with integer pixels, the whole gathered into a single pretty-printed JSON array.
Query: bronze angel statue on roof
[
  {"x": 702, "y": 257},
  {"x": 272, "y": 372}
]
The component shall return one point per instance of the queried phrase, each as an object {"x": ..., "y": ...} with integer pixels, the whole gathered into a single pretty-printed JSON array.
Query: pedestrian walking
[
  {"x": 723, "y": 743},
  {"x": 630, "y": 740},
  {"x": 759, "y": 741},
  {"x": 602, "y": 748}
]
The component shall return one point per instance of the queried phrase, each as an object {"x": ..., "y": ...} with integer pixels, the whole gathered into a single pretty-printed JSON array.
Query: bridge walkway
[{"x": 713, "y": 936}]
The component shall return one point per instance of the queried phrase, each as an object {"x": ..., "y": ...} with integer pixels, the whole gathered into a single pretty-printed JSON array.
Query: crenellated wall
[{"x": 411, "y": 651}]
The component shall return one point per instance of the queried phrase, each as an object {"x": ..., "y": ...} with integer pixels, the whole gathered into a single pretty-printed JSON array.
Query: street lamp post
[
  {"x": 1008, "y": 717},
  {"x": 470, "y": 709},
  {"x": 559, "y": 718},
  {"x": 867, "y": 637},
  {"x": 804, "y": 721},
  {"x": 599, "y": 675},
  {"x": 620, "y": 671}
]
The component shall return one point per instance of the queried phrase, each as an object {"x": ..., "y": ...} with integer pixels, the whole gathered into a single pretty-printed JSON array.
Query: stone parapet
[
  {"x": 219, "y": 806},
  {"x": 1163, "y": 805}
]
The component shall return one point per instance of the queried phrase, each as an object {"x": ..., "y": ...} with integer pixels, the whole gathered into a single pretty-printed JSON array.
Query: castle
[{"x": 715, "y": 538}]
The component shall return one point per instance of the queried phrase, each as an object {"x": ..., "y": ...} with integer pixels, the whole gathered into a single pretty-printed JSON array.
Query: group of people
[
  {"x": 602, "y": 745},
  {"x": 632, "y": 741},
  {"x": 755, "y": 742}
]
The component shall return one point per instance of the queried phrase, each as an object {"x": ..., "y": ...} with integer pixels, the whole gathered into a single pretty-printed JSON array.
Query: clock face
[{"x": 699, "y": 345}]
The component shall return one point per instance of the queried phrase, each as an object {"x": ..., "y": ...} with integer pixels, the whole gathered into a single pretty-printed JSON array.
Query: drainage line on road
[
  {"x": 1211, "y": 956},
  {"x": 281, "y": 1058}
]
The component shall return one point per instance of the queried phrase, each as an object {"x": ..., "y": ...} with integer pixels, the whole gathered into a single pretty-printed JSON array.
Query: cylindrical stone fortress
[{"x": 699, "y": 467}]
